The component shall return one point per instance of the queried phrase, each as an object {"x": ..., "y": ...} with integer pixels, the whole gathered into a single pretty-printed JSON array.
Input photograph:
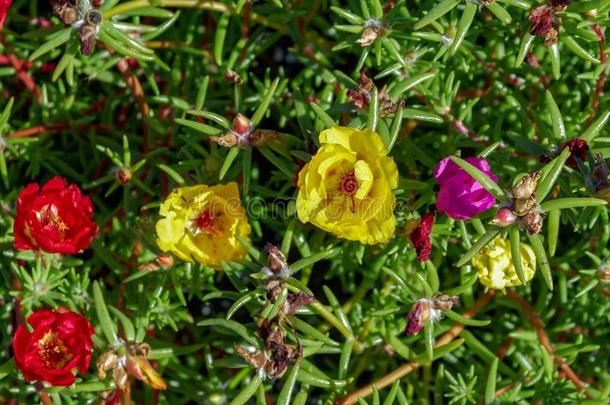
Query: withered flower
[
  {"x": 243, "y": 135},
  {"x": 129, "y": 359},
  {"x": 233, "y": 77},
  {"x": 82, "y": 16},
  {"x": 362, "y": 97},
  {"x": 428, "y": 310},
  {"x": 523, "y": 207},
  {"x": 277, "y": 267},
  {"x": 603, "y": 273},
  {"x": 373, "y": 29},
  {"x": 544, "y": 24},
  {"x": 526, "y": 186}
]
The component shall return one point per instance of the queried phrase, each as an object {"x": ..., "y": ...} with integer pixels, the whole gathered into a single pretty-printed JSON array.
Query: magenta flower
[{"x": 461, "y": 196}]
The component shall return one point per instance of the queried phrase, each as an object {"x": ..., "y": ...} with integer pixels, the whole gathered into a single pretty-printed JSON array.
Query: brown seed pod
[
  {"x": 532, "y": 222},
  {"x": 523, "y": 206},
  {"x": 527, "y": 185}
]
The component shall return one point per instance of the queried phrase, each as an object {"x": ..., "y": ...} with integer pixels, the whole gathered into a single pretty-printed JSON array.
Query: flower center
[
  {"x": 52, "y": 351},
  {"x": 348, "y": 184},
  {"x": 204, "y": 223},
  {"x": 49, "y": 215}
]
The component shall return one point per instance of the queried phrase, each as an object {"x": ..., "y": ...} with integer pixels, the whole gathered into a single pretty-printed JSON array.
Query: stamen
[
  {"x": 204, "y": 222},
  {"x": 52, "y": 351}
]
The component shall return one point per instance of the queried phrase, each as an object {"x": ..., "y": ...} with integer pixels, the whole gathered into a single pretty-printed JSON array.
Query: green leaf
[
  {"x": 229, "y": 159},
  {"x": 479, "y": 176},
  {"x": 314, "y": 258},
  {"x": 55, "y": 40},
  {"x": 231, "y": 326},
  {"x": 499, "y": 11},
  {"x": 454, "y": 316},
  {"x": 490, "y": 386},
  {"x": 171, "y": 173},
  {"x": 463, "y": 26},
  {"x": 541, "y": 259},
  {"x": 526, "y": 44},
  {"x": 594, "y": 129},
  {"x": 219, "y": 38},
  {"x": 264, "y": 105},
  {"x": 373, "y": 110},
  {"x": 553, "y": 230},
  {"x": 555, "y": 61},
  {"x": 515, "y": 252},
  {"x": 563, "y": 203},
  {"x": 103, "y": 316},
  {"x": 559, "y": 129},
  {"x": 437, "y": 12},
  {"x": 478, "y": 245},
  {"x": 247, "y": 392},
  {"x": 578, "y": 50},
  {"x": 547, "y": 180},
  {"x": 289, "y": 385},
  {"x": 402, "y": 85}
]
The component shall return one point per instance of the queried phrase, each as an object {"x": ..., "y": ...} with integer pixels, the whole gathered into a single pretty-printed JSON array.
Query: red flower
[
  {"x": 59, "y": 344},
  {"x": 578, "y": 149},
  {"x": 4, "y": 6},
  {"x": 420, "y": 237},
  {"x": 55, "y": 219}
]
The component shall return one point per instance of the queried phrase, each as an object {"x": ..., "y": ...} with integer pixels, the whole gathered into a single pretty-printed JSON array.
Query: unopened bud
[
  {"x": 504, "y": 217},
  {"x": 241, "y": 124},
  {"x": 123, "y": 175},
  {"x": 165, "y": 261}
]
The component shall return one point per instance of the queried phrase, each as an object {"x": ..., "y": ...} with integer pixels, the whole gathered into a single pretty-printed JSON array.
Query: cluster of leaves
[{"x": 133, "y": 119}]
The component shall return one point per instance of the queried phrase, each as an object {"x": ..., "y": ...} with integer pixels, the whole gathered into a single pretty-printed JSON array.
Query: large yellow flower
[
  {"x": 495, "y": 264},
  {"x": 346, "y": 189},
  {"x": 200, "y": 223}
]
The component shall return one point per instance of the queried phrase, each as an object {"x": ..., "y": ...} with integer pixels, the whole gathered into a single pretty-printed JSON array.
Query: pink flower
[
  {"x": 4, "y": 6},
  {"x": 461, "y": 196}
]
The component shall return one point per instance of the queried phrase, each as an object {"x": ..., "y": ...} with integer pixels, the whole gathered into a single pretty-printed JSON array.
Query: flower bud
[
  {"x": 123, "y": 175},
  {"x": 165, "y": 261},
  {"x": 504, "y": 217},
  {"x": 241, "y": 124}
]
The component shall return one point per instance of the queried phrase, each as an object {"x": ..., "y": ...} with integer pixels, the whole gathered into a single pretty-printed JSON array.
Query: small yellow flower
[
  {"x": 201, "y": 223},
  {"x": 495, "y": 264},
  {"x": 346, "y": 189}
]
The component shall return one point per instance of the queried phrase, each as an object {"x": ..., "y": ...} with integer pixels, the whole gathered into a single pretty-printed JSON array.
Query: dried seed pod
[
  {"x": 233, "y": 77},
  {"x": 446, "y": 302},
  {"x": 228, "y": 141},
  {"x": 601, "y": 171},
  {"x": 87, "y": 35},
  {"x": 524, "y": 206},
  {"x": 532, "y": 222},
  {"x": 603, "y": 273},
  {"x": 527, "y": 185},
  {"x": 369, "y": 35}
]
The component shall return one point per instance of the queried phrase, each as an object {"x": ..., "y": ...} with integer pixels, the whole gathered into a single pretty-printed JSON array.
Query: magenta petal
[{"x": 460, "y": 196}]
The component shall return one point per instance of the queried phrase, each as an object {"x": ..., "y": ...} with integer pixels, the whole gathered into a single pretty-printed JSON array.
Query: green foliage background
[{"x": 469, "y": 87}]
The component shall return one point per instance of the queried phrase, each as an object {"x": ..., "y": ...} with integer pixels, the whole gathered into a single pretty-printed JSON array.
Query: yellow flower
[
  {"x": 346, "y": 189},
  {"x": 495, "y": 264},
  {"x": 201, "y": 223}
]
